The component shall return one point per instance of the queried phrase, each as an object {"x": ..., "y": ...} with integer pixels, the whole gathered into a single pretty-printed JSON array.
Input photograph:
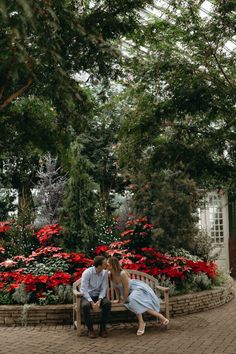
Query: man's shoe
[
  {"x": 103, "y": 334},
  {"x": 92, "y": 334}
]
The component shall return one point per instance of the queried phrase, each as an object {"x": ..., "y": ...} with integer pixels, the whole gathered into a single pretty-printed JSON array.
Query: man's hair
[{"x": 98, "y": 260}]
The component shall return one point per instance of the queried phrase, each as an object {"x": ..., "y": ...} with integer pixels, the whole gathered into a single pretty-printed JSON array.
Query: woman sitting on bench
[{"x": 138, "y": 296}]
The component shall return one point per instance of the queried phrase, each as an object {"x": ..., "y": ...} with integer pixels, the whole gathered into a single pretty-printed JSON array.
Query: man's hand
[{"x": 96, "y": 306}]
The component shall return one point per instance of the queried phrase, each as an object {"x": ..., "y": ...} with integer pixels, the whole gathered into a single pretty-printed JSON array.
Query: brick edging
[
  {"x": 33, "y": 315},
  {"x": 201, "y": 301}
]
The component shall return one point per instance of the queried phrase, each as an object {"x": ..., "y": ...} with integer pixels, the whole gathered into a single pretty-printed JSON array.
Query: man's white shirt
[{"x": 94, "y": 284}]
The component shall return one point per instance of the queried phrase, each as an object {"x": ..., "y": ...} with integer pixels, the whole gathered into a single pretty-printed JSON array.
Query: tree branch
[
  {"x": 213, "y": 52},
  {"x": 1, "y": 92},
  {"x": 15, "y": 94}
]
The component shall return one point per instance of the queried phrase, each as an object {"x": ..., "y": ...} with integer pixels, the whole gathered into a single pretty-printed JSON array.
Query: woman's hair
[{"x": 114, "y": 262}]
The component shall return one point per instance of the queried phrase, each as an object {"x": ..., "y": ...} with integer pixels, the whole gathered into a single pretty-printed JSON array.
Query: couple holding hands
[{"x": 136, "y": 295}]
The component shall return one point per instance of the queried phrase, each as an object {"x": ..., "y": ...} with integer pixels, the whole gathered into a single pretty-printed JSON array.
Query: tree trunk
[{"x": 25, "y": 204}]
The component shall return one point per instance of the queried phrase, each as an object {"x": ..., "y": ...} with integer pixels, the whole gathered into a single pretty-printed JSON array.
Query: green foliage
[
  {"x": 181, "y": 95},
  {"x": 5, "y": 298},
  {"x": 49, "y": 266},
  {"x": 202, "y": 246},
  {"x": 6, "y": 204},
  {"x": 78, "y": 218},
  {"x": 106, "y": 229},
  {"x": 29, "y": 121},
  {"x": 202, "y": 281},
  {"x": 170, "y": 200},
  {"x": 223, "y": 278},
  {"x": 27, "y": 129},
  {"x": 44, "y": 43},
  {"x": 166, "y": 282},
  {"x": 178, "y": 128},
  {"x": 44, "y": 48},
  {"x": 19, "y": 240},
  {"x": 195, "y": 282},
  {"x": 60, "y": 295},
  {"x": 101, "y": 148},
  {"x": 20, "y": 295},
  {"x": 181, "y": 252}
]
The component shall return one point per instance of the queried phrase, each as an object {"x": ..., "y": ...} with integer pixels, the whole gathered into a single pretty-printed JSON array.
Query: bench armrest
[
  {"x": 77, "y": 293},
  {"x": 163, "y": 289}
]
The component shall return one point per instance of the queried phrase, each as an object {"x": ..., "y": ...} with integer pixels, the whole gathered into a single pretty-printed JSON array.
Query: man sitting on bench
[{"x": 94, "y": 283}]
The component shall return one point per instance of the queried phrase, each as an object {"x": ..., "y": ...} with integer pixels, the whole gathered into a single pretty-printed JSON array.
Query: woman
[{"x": 138, "y": 297}]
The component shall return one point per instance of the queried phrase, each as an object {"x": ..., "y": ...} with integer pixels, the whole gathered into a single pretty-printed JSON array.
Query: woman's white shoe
[{"x": 140, "y": 332}]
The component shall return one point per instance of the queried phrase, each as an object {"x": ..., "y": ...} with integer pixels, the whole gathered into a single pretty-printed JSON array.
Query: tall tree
[
  {"x": 78, "y": 214},
  {"x": 45, "y": 46},
  {"x": 47, "y": 42},
  {"x": 51, "y": 183},
  {"x": 29, "y": 129},
  {"x": 101, "y": 143},
  {"x": 181, "y": 90}
]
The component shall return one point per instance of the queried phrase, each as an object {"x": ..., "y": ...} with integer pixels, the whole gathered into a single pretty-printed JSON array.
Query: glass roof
[{"x": 163, "y": 9}]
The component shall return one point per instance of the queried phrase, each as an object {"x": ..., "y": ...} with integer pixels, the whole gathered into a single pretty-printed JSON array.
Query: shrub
[
  {"x": 202, "y": 246},
  {"x": 107, "y": 229},
  {"x": 45, "y": 276},
  {"x": 20, "y": 296},
  {"x": 202, "y": 281},
  {"x": 60, "y": 295},
  {"x": 17, "y": 239}
]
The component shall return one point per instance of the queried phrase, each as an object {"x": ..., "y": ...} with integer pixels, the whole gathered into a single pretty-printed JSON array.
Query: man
[{"x": 94, "y": 283}]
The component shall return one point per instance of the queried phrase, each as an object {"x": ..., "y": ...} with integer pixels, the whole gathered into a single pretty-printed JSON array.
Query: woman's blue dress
[{"x": 141, "y": 297}]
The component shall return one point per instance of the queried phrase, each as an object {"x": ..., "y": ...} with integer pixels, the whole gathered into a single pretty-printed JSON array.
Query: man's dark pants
[{"x": 86, "y": 309}]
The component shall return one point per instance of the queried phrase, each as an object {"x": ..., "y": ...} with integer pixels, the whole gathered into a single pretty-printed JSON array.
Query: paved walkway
[{"x": 207, "y": 332}]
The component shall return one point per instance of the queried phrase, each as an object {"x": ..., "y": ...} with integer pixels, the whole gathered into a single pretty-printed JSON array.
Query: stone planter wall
[
  {"x": 33, "y": 315},
  {"x": 202, "y": 301}
]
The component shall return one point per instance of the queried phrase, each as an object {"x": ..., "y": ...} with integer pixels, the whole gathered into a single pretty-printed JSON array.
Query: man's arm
[{"x": 85, "y": 285}]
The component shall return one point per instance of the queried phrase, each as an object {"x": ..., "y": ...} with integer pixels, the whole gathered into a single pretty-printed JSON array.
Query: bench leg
[{"x": 78, "y": 316}]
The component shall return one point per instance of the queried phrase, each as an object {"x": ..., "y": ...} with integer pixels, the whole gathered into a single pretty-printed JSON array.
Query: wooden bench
[{"x": 112, "y": 296}]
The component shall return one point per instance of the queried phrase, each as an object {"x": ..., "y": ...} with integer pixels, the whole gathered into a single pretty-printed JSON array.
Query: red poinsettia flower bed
[
  {"x": 15, "y": 273},
  {"x": 134, "y": 252},
  {"x": 39, "y": 277}
]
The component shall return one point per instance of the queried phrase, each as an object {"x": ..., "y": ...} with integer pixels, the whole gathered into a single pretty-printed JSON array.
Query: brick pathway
[{"x": 207, "y": 332}]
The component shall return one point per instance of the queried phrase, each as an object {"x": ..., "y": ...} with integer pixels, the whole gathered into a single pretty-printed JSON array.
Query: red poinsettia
[
  {"x": 78, "y": 273},
  {"x": 8, "y": 263},
  {"x": 119, "y": 244},
  {"x": 127, "y": 232},
  {"x": 41, "y": 252},
  {"x": 100, "y": 250},
  {"x": 4, "y": 226},
  {"x": 46, "y": 233}
]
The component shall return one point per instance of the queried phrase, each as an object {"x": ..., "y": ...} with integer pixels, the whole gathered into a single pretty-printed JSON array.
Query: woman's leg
[
  {"x": 141, "y": 323},
  {"x": 158, "y": 315}
]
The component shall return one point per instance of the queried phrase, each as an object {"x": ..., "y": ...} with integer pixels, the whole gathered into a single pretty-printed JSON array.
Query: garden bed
[
  {"x": 201, "y": 301},
  {"x": 34, "y": 315}
]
